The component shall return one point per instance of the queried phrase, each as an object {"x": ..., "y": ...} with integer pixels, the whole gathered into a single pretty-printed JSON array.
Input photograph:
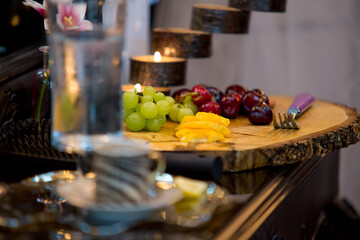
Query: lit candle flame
[
  {"x": 137, "y": 87},
  {"x": 157, "y": 56}
]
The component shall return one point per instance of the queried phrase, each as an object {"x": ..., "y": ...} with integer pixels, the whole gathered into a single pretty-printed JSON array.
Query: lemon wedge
[{"x": 191, "y": 188}]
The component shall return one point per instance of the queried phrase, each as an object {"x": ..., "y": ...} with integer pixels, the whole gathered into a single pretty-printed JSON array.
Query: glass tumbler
[{"x": 86, "y": 39}]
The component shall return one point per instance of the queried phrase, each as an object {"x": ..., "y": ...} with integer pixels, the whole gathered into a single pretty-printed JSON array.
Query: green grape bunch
[{"x": 147, "y": 111}]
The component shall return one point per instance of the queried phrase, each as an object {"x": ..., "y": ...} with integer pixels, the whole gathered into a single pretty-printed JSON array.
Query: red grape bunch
[{"x": 236, "y": 100}]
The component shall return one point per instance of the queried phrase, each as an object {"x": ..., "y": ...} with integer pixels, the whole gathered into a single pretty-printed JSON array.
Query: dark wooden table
[{"x": 284, "y": 202}]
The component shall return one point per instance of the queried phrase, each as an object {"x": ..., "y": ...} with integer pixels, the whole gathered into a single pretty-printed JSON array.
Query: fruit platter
[{"x": 236, "y": 125}]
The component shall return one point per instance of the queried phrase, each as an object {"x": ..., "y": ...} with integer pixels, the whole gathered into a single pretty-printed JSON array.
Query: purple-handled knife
[{"x": 300, "y": 104}]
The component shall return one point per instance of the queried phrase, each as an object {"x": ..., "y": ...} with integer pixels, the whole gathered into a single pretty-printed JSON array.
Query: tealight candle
[{"x": 157, "y": 70}]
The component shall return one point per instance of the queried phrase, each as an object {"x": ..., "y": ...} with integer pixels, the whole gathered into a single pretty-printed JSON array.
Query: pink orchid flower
[
  {"x": 41, "y": 8},
  {"x": 71, "y": 17}
]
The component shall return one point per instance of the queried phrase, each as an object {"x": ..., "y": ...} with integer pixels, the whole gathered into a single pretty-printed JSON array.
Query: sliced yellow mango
[
  {"x": 182, "y": 132},
  {"x": 212, "y": 117},
  {"x": 189, "y": 119},
  {"x": 199, "y": 135},
  {"x": 205, "y": 125}
]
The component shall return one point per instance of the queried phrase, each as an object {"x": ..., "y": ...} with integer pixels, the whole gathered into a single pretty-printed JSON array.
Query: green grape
[
  {"x": 162, "y": 119},
  {"x": 192, "y": 106},
  {"x": 159, "y": 96},
  {"x": 174, "y": 112},
  {"x": 147, "y": 98},
  {"x": 154, "y": 125},
  {"x": 148, "y": 90},
  {"x": 125, "y": 113},
  {"x": 130, "y": 100},
  {"x": 187, "y": 99},
  {"x": 137, "y": 109},
  {"x": 184, "y": 112},
  {"x": 163, "y": 107},
  {"x": 148, "y": 110},
  {"x": 135, "y": 122},
  {"x": 170, "y": 100}
]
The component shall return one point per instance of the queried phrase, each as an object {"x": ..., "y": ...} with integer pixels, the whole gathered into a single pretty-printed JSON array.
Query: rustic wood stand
[{"x": 325, "y": 127}]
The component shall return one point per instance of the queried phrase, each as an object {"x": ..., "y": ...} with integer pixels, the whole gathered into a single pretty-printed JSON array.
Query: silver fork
[{"x": 300, "y": 104}]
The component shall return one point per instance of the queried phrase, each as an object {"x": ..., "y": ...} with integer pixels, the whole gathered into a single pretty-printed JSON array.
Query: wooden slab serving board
[{"x": 324, "y": 127}]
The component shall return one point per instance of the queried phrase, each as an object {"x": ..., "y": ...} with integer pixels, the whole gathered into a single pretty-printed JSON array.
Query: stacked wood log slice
[
  {"x": 219, "y": 19},
  {"x": 259, "y": 5},
  {"x": 169, "y": 72},
  {"x": 181, "y": 42}
]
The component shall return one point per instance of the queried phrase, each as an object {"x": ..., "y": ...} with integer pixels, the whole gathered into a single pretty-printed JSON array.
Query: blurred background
[{"x": 20, "y": 26}]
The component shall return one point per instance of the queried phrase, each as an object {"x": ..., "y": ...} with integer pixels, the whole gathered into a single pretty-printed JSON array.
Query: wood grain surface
[
  {"x": 259, "y": 5},
  {"x": 324, "y": 127},
  {"x": 219, "y": 19}
]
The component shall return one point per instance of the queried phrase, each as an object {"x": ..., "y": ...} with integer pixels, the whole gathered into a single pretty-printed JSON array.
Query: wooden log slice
[
  {"x": 325, "y": 127},
  {"x": 181, "y": 42},
  {"x": 259, "y": 5},
  {"x": 219, "y": 19},
  {"x": 168, "y": 72}
]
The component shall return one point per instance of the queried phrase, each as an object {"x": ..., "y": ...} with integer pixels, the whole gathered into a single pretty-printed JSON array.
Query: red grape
[
  {"x": 238, "y": 97},
  {"x": 179, "y": 94},
  {"x": 215, "y": 93},
  {"x": 250, "y": 99},
  {"x": 266, "y": 98},
  {"x": 212, "y": 107},
  {"x": 203, "y": 95},
  {"x": 236, "y": 89},
  {"x": 258, "y": 91},
  {"x": 260, "y": 114},
  {"x": 230, "y": 106}
]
